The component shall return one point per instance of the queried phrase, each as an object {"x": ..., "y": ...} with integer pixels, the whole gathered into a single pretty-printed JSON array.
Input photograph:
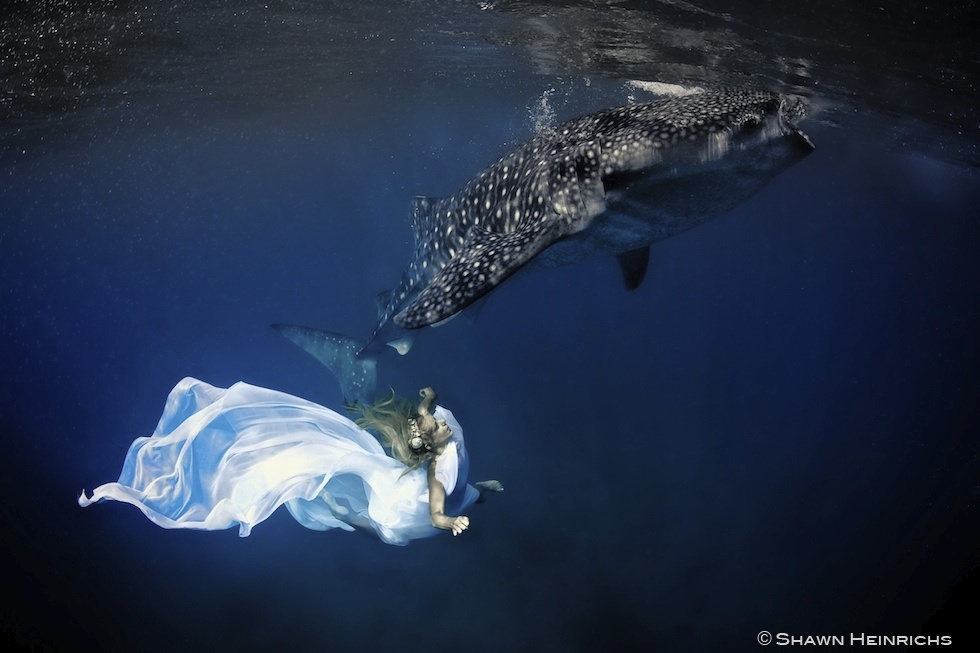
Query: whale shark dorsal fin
[
  {"x": 633, "y": 265},
  {"x": 483, "y": 263},
  {"x": 423, "y": 216}
]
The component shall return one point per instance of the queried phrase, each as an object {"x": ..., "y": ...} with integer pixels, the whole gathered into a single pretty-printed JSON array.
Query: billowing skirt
[{"x": 224, "y": 457}]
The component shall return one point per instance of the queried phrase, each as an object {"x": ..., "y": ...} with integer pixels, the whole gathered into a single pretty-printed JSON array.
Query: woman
[{"x": 224, "y": 457}]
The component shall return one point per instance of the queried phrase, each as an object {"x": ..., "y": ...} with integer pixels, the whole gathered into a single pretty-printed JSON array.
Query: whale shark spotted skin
[{"x": 609, "y": 183}]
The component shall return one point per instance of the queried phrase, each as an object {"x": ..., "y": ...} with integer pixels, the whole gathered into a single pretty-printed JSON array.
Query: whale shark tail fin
[{"x": 357, "y": 373}]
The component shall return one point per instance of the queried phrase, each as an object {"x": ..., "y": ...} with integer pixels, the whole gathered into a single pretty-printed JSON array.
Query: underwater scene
[{"x": 699, "y": 280}]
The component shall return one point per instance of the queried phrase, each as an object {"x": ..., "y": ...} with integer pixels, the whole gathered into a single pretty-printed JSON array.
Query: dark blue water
[{"x": 777, "y": 431}]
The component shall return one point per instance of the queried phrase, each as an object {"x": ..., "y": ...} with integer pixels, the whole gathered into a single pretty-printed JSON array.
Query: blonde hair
[{"x": 388, "y": 419}]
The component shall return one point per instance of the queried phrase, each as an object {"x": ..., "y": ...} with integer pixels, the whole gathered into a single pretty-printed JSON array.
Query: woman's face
[
  {"x": 442, "y": 432},
  {"x": 436, "y": 431}
]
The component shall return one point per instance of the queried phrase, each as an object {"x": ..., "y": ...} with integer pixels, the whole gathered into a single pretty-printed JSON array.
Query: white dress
[{"x": 224, "y": 457}]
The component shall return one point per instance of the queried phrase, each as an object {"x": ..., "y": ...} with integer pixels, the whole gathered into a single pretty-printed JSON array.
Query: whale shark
[{"x": 610, "y": 183}]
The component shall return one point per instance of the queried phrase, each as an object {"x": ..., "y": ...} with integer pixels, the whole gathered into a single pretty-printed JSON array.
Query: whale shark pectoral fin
[
  {"x": 444, "y": 321},
  {"x": 483, "y": 263},
  {"x": 357, "y": 374},
  {"x": 633, "y": 265}
]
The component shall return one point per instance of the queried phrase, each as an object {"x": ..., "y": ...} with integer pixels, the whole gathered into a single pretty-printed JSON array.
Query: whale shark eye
[{"x": 750, "y": 120}]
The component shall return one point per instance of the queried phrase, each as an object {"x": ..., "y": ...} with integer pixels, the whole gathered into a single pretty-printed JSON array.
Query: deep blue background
[{"x": 777, "y": 430}]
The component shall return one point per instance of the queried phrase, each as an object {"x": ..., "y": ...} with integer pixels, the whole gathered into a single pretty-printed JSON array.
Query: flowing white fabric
[{"x": 224, "y": 457}]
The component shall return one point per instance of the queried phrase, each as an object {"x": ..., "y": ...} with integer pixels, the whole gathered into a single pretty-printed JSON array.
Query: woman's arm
[
  {"x": 437, "y": 505},
  {"x": 428, "y": 398}
]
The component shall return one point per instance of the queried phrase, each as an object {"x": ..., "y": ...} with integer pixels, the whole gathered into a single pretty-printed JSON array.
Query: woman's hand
[{"x": 460, "y": 524}]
